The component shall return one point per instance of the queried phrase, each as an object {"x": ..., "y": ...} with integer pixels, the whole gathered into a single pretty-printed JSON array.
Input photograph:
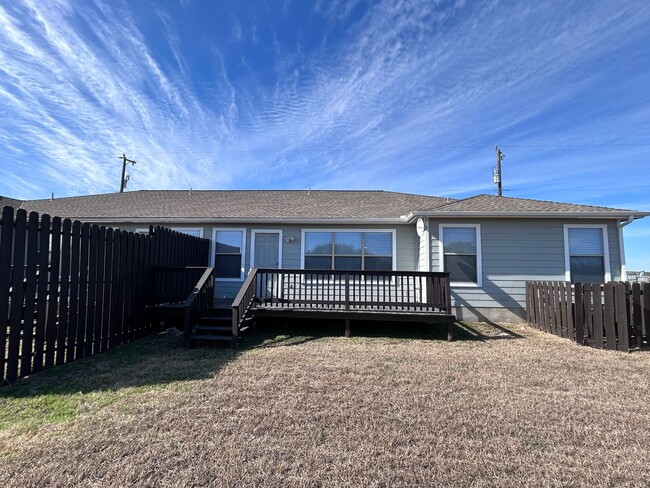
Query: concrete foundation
[{"x": 497, "y": 315}]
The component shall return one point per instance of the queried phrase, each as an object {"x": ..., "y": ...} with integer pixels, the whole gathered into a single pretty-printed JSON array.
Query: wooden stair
[{"x": 215, "y": 325}]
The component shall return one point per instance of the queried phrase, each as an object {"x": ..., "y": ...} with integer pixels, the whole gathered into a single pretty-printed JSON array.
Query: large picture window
[
  {"x": 461, "y": 253},
  {"x": 586, "y": 254},
  {"x": 345, "y": 250},
  {"x": 229, "y": 253}
]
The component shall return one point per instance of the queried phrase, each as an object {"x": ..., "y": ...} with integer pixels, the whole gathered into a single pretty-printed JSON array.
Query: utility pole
[
  {"x": 124, "y": 177},
  {"x": 497, "y": 171}
]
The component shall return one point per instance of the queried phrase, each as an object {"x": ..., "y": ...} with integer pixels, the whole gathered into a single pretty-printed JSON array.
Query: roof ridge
[
  {"x": 543, "y": 201},
  {"x": 448, "y": 202},
  {"x": 254, "y": 190}
]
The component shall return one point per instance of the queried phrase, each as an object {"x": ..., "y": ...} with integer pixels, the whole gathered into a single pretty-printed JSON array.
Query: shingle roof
[
  {"x": 237, "y": 204},
  {"x": 10, "y": 202},
  {"x": 296, "y": 205},
  {"x": 493, "y": 203}
]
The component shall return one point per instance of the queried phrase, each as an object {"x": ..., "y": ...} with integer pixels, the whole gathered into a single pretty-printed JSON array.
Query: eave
[
  {"x": 614, "y": 215},
  {"x": 233, "y": 220}
]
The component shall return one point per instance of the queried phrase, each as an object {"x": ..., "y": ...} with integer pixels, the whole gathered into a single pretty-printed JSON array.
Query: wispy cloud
[{"x": 405, "y": 95}]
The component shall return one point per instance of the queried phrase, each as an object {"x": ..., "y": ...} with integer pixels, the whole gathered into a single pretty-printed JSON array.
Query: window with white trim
[
  {"x": 461, "y": 253},
  {"x": 229, "y": 254},
  {"x": 345, "y": 250},
  {"x": 586, "y": 254},
  {"x": 190, "y": 231}
]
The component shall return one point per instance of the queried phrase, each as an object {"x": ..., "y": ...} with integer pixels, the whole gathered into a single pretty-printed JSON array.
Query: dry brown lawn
[{"x": 486, "y": 410}]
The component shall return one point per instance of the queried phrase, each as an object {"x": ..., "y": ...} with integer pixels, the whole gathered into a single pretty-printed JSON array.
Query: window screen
[{"x": 460, "y": 254}]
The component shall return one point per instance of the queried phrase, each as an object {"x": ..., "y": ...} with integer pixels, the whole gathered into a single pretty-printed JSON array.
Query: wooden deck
[{"x": 348, "y": 295}]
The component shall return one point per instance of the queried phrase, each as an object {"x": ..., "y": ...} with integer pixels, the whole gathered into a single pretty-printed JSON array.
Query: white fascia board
[
  {"x": 527, "y": 215},
  {"x": 267, "y": 222}
]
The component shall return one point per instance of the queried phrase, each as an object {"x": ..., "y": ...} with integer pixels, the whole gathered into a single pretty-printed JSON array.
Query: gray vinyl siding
[
  {"x": 514, "y": 251},
  {"x": 406, "y": 252}
]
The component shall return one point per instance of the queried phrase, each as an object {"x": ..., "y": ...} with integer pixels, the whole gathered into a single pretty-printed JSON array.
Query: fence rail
[
  {"x": 70, "y": 290},
  {"x": 613, "y": 316}
]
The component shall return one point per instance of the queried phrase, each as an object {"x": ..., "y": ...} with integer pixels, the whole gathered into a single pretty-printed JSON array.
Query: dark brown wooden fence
[
  {"x": 70, "y": 290},
  {"x": 613, "y": 316}
]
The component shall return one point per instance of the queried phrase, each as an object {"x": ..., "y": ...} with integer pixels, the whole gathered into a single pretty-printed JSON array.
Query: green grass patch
[{"x": 63, "y": 393}]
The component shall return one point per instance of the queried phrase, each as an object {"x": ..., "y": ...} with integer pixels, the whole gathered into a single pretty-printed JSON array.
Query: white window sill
[{"x": 464, "y": 285}]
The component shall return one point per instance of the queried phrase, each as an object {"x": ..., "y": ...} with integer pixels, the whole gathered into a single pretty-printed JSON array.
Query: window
[
  {"x": 229, "y": 254},
  {"x": 190, "y": 231},
  {"x": 346, "y": 250},
  {"x": 586, "y": 254},
  {"x": 196, "y": 232},
  {"x": 460, "y": 253}
]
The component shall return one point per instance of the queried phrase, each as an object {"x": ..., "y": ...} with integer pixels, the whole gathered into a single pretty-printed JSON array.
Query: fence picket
[
  {"x": 598, "y": 318},
  {"x": 646, "y": 313},
  {"x": 83, "y": 290},
  {"x": 53, "y": 293},
  {"x": 62, "y": 329},
  {"x": 31, "y": 279},
  {"x": 622, "y": 323},
  {"x": 17, "y": 294},
  {"x": 92, "y": 285},
  {"x": 41, "y": 294},
  {"x": 73, "y": 309},
  {"x": 70, "y": 290},
  {"x": 99, "y": 290},
  {"x": 610, "y": 317},
  {"x": 588, "y": 291},
  {"x": 579, "y": 314},
  {"x": 6, "y": 246},
  {"x": 636, "y": 315},
  {"x": 106, "y": 283}
]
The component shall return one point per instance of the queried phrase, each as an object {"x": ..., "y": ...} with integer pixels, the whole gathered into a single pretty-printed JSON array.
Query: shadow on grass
[
  {"x": 291, "y": 332},
  {"x": 148, "y": 363},
  {"x": 158, "y": 360}
]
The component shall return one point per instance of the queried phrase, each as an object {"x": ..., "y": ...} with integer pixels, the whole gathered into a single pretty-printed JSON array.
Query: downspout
[
  {"x": 427, "y": 245},
  {"x": 621, "y": 245}
]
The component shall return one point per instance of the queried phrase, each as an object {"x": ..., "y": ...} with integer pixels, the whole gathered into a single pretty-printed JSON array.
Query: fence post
[
  {"x": 646, "y": 312},
  {"x": 528, "y": 302},
  {"x": 579, "y": 314},
  {"x": 622, "y": 323},
  {"x": 636, "y": 314}
]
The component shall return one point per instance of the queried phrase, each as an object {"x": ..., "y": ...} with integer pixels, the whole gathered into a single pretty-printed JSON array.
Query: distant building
[{"x": 638, "y": 276}]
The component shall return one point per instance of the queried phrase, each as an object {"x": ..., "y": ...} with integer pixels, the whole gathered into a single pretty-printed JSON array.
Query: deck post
[
  {"x": 347, "y": 327},
  {"x": 235, "y": 328},
  {"x": 187, "y": 327},
  {"x": 450, "y": 332}
]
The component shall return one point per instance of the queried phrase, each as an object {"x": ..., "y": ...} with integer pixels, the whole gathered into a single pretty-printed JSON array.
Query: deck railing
[
  {"x": 403, "y": 291},
  {"x": 186, "y": 292}
]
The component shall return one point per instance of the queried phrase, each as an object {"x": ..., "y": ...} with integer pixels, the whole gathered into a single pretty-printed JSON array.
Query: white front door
[{"x": 267, "y": 250}]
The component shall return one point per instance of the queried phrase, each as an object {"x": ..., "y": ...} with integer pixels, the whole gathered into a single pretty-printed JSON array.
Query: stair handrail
[
  {"x": 199, "y": 300},
  {"x": 242, "y": 302}
]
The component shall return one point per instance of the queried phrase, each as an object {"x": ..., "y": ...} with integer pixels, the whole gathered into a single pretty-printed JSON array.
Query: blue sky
[{"x": 399, "y": 95}]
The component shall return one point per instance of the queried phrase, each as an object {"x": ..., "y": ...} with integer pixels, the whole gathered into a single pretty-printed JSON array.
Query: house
[{"x": 490, "y": 245}]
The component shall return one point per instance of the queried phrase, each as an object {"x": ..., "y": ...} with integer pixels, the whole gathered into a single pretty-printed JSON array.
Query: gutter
[
  {"x": 264, "y": 221},
  {"x": 410, "y": 217}
]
